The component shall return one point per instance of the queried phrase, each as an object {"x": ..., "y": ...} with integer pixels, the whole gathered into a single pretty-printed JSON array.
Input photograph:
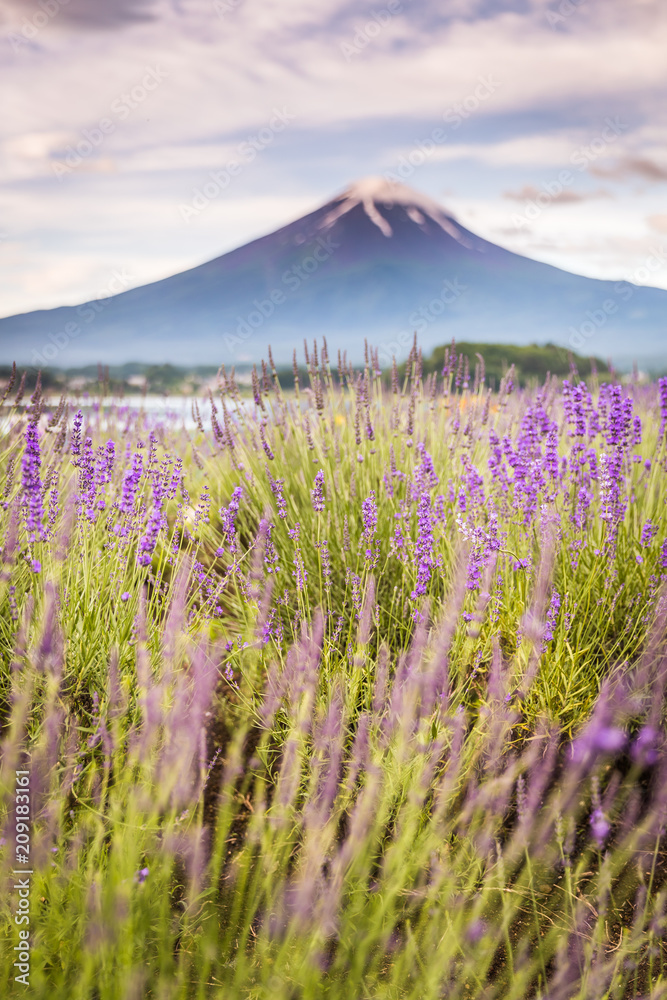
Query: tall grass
[{"x": 344, "y": 693}]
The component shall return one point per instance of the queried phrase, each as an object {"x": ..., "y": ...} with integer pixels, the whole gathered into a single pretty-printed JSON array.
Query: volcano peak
[{"x": 375, "y": 193}]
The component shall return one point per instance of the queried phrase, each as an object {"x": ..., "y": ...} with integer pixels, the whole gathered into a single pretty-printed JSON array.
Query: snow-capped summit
[{"x": 375, "y": 193}]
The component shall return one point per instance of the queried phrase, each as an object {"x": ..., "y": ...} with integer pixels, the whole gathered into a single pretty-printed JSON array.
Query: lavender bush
[{"x": 346, "y": 692}]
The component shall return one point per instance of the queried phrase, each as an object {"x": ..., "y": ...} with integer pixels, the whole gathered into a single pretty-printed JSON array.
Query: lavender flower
[
  {"x": 648, "y": 533},
  {"x": 277, "y": 490},
  {"x": 552, "y": 615},
  {"x": 325, "y": 558},
  {"x": 599, "y": 827},
  {"x": 317, "y": 494},
  {"x": 551, "y": 452},
  {"x": 424, "y": 477},
  {"x": 300, "y": 572},
  {"x": 270, "y": 554},
  {"x": 130, "y": 486},
  {"x": 32, "y": 485},
  {"x": 75, "y": 442},
  {"x": 87, "y": 486},
  {"x": 265, "y": 444},
  {"x": 104, "y": 470},
  {"x": 355, "y": 580},
  {"x": 598, "y": 738},
  {"x": 644, "y": 750},
  {"x": 424, "y": 546},
  {"x": 662, "y": 386},
  {"x": 228, "y": 517},
  {"x": 369, "y": 511},
  {"x": 148, "y": 540}
]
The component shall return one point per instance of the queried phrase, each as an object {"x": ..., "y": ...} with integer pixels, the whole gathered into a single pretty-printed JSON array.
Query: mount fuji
[{"x": 379, "y": 261}]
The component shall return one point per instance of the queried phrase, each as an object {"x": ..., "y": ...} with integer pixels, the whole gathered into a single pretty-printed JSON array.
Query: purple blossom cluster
[
  {"x": 552, "y": 615},
  {"x": 148, "y": 540},
  {"x": 130, "y": 487},
  {"x": 503, "y": 461},
  {"x": 374, "y": 752},
  {"x": 32, "y": 484},
  {"x": 369, "y": 514},
  {"x": 424, "y": 545},
  {"x": 228, "y": 519},
  {"x": 277, "y": 490},
  {"x": 317, "y": 493}
]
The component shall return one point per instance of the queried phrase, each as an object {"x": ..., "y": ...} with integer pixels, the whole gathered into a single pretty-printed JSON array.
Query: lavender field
[{"x": 352, "y": 691}]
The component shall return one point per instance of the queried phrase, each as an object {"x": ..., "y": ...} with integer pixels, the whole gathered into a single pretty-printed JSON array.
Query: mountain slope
[{"x": 378, "y": 261}]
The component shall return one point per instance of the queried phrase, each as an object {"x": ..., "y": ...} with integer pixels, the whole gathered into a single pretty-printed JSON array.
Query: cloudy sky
[{"x": 141, "y": 137}]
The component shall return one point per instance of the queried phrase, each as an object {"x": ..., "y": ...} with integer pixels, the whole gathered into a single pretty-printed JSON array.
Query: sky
[{"x": 142, "y": 137}]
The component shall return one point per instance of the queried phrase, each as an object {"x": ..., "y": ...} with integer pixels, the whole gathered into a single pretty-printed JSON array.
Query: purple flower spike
[
  {"x": 609, "y": 739},
  {"x": 598, "y": 738},
  {"x": 644, "y": 750},
  {"x": 369, "y": 513},
  {"x": 75, "y": 444},
  {"x": 425, "y": 477},
  {"x": 424, "y": 545},
  {"x": 277, "y": 490},
  {"x": 599, "y": 827},
  {"x": 476, "y": 931},
  {"x": 552, "y": 615},
  {"x": 662, "y": 383},
  {"x": 141, "y": 875},
  {"x": 317, "y": 493},
  {"x": 648, "y": 532},
  {"x": 228, "y": 515},
  {"x": 32, "y": 485},
  {"x": 131, "y": 478},
  {"x": 149, "y": 539}
]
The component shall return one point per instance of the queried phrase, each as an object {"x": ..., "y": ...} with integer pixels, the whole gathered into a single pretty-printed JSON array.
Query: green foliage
[{"x": 532, "y": 363}]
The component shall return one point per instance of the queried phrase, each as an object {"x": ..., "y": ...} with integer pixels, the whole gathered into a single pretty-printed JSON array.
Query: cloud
[
  {"x": 512, "y": 231},
  {"x": 632, "y": 166},
  {"x": 95, "y": 14},
  {"x": 529, "y": 193},
  {"x": 540, "y": 149},
  {"x": 658, "y": 223},
  {"x": 227, "y": 65}
]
